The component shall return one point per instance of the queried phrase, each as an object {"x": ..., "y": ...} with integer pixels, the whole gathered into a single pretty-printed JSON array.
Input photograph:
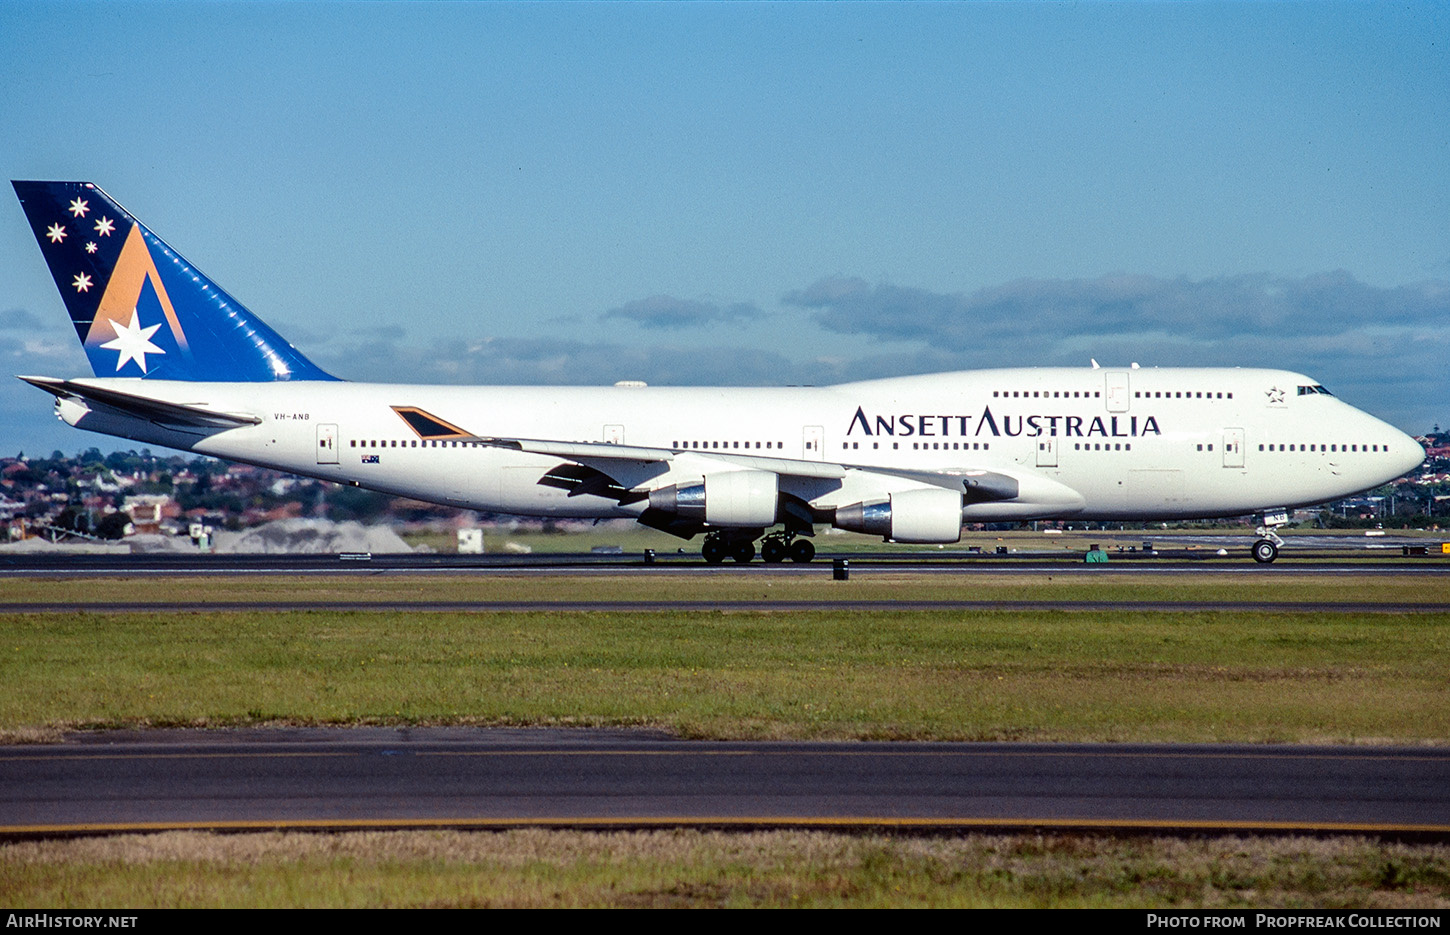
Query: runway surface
[
  {"x": 858, "y": 568},
  {"x": 492, "y": 778},
  {"x": 1323, "y": 562}
]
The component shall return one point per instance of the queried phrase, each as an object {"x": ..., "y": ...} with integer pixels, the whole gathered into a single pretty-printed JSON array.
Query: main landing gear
[
  {"x": 719, "y": 547},
  {"x": 776, "y": 547},
  {"x": 1266, "y": 547}
]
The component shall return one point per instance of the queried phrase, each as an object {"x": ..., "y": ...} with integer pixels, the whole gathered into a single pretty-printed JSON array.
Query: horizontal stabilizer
[{"x": 152, "y": 410}]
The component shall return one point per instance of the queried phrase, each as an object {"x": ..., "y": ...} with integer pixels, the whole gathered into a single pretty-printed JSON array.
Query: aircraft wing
[
  {"x": 978, "y": 486},
  {"x": 598, "y": 454},
  {"x": 575, "y": 451},
  {"x": 608, "y": 459},
  {"x": 152, "y": 410},
  {"x": 605, "y": 451}
]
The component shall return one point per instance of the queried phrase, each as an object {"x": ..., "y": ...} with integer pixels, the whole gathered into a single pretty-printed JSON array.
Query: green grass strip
[
  {"x": 1102, "y": 583},
  {"x": 1083, "y": 676},
  {"x": 534, "y": 868}
]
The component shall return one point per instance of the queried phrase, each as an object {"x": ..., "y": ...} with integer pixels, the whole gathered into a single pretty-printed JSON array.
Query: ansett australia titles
[{"x": 1028, "y": 426}]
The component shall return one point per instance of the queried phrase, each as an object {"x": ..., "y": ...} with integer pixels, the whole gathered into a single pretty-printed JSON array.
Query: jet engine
[
  {"x": 930, "y": 515},
  {"x": 730, "y": 498}
]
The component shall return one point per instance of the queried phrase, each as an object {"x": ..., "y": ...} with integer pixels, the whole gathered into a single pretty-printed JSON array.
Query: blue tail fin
[{"x": 139, "y": 308}]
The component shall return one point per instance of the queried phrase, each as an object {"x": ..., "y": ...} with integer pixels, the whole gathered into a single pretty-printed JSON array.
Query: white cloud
[
  {"x": 664, "y": 311},
  {"x": 1034, "y": 311},
  {"x": 18, "y": 319}
]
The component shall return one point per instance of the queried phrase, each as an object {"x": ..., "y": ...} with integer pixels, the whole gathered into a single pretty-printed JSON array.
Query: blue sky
[{"x": 759, "y": 193}]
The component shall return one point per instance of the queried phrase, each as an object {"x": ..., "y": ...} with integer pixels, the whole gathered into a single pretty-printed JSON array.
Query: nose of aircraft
[
  {"x": 1399, "y": 453},
  {"x": 1406, "y": 451}
]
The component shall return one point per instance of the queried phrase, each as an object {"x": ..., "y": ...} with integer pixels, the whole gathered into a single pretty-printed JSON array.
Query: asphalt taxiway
[{"x": 318, "y": 779}]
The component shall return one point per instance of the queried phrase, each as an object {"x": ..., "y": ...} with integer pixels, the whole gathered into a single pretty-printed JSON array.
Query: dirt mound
[{"x": 310, "y": 536}]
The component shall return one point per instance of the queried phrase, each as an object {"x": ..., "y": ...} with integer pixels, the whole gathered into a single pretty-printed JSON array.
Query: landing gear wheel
[
  {"x": 1265, "y": 551},
  {"x": 773, "y": 550},
  {"x": 802, "y": 551},
  {"x": 713, "y": 551},
  {"x": 743, "y": 551}
]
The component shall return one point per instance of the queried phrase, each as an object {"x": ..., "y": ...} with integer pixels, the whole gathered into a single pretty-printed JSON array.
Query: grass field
[
  {"x": 985, "y": 675},
  {"x": 1098, "y": 583},
  {"x": 666, "y": 869}
]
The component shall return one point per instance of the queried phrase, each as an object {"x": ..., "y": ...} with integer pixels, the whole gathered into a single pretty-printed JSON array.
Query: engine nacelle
[
  {"x": 69, "y": 410},
  {"x": 933, "y": 515},
  {"x": 730, "y": 498}
]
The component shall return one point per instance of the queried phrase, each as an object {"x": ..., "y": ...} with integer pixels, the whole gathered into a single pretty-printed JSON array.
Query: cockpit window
[{"x": 1310, "y": 390}]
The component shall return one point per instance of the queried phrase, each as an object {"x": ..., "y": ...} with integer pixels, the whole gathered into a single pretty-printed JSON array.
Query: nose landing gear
[
  {"x": 1266, "y": 547},
  {"x": 1265, "y": 551}
]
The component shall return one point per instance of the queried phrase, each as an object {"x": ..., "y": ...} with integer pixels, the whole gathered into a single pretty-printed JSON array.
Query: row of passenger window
[
  {"x": 409, "y": 443},
  {"x": 1096, "y": 394},
  {"x": 1382, "y": 449},
  {"x": 692, "y": 445},
  {"x": 924, "y": 446},
  {"x": 848, "y": 446}
]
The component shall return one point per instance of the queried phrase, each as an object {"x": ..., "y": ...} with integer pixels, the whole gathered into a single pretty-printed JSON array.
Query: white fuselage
[{"x": 1085, "y": 443}]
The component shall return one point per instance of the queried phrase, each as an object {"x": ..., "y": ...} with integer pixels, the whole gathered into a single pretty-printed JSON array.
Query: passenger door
[
  {"x": 1233, "y": 448},
  {"x": 813, "y": 440},
  {"x": 327, "y": 443}
]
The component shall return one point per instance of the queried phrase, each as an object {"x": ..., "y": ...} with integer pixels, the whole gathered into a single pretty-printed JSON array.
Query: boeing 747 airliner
[{"x": 180, "y": 363}]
